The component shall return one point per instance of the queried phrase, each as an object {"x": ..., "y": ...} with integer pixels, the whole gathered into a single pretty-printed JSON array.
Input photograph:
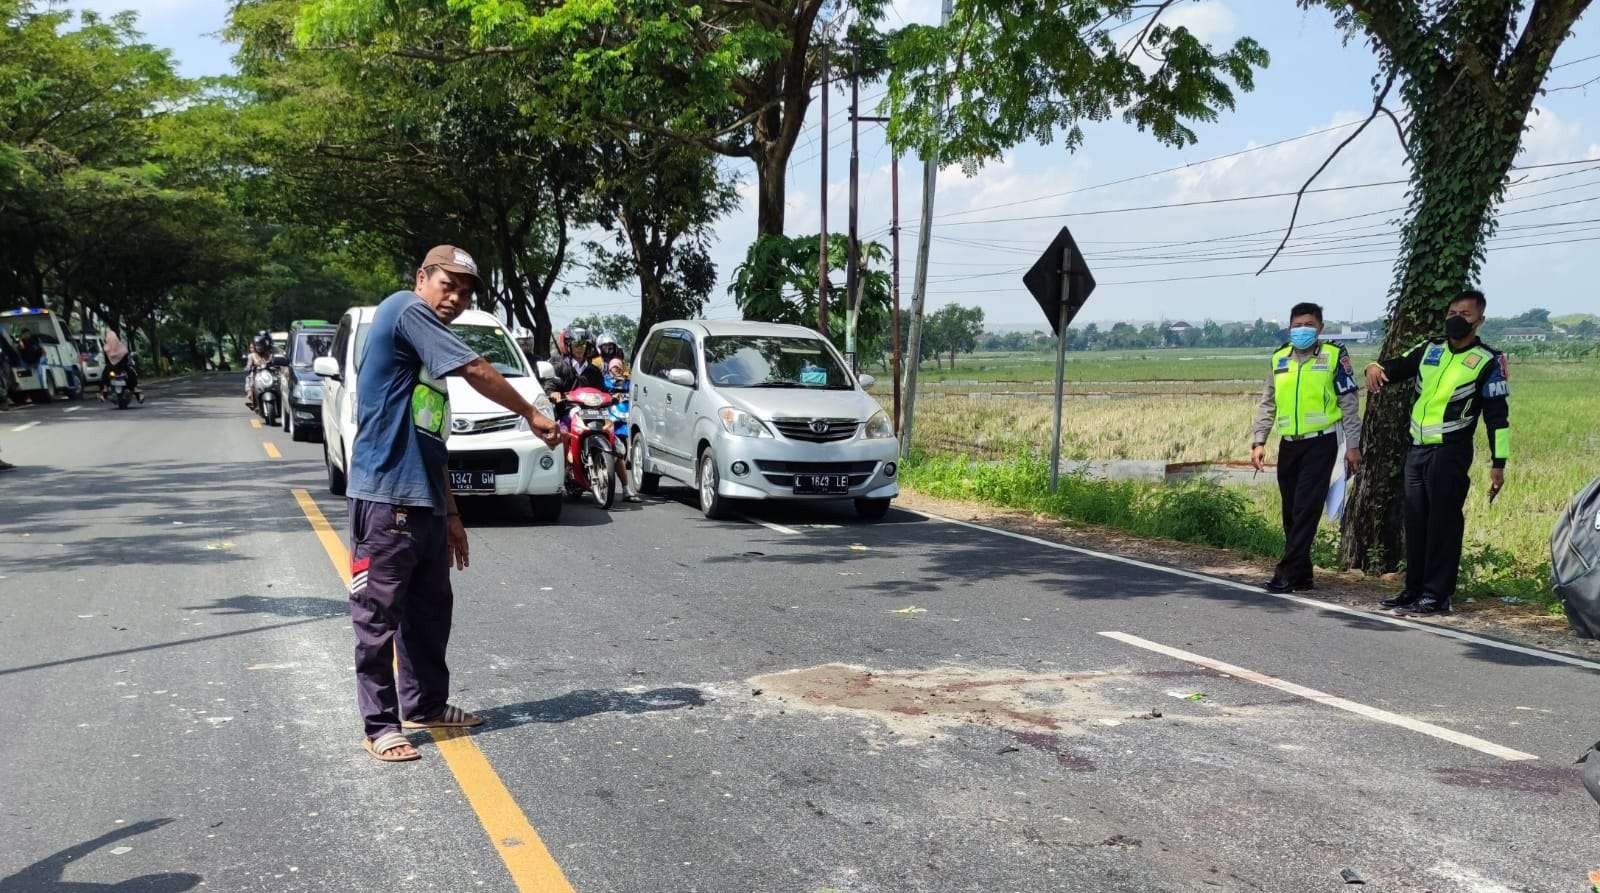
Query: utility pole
[
  {"x": 894, "y": 287},
  {"x": 851, "y": 276},
  {"x": 822, "y": 263},
  {"x": 919, "y": 297}
]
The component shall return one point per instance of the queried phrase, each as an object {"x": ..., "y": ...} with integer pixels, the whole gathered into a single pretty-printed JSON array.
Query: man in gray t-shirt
[{"x": 405, "y": 529}]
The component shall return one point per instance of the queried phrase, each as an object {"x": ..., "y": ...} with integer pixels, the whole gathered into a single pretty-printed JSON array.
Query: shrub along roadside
[{"x": 1195, "y": 511}]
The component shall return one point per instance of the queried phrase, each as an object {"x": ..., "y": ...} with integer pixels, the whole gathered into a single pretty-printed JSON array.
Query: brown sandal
[
  {"x": 382, "y": 749},
  {"x": 451, "y": 717}
]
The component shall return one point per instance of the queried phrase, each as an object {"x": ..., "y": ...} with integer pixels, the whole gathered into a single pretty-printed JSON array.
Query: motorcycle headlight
[
  {"x": 593, "y": 400},
  {"x": 741, "y": 423},
  {"x": 878, "y": 426}
]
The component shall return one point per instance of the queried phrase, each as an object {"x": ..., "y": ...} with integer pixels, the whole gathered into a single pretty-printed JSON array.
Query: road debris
[
  {"x": 1010, "y": 749},
  {"x": 911, "y": 609},
  {"x": 1351, "y": 876}
]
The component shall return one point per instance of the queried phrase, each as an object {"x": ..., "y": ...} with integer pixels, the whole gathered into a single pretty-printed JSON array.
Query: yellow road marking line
[
  {"x": 255, "y": 423},
  {"x": 1311, "y": 694},
  {"x": 272, "y": 451},
  {"x": 527, "y": 859}
]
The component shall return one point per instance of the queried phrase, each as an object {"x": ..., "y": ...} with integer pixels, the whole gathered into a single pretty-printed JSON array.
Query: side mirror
[
  {"x": 866, "y": 381},
  {"x": 544, "y": 370},
  {"x": 279, "y": 362},
  {"x": 681, "y": 377},
  {"x": 327, "y": 367}
]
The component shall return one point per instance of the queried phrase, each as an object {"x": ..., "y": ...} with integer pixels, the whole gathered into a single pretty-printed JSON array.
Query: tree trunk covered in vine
[{"x": 1470, "y": 82}]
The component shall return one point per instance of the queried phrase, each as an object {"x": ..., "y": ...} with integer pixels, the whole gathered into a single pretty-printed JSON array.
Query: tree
[
  {"x": 1013, "y": 72},
  {"x": 1469, "y": 72},
  {"x": 659, "y": 204},
  {"x": 955, "y": 329},
  {"x": 778, "y": 283},
  {"x": 730, "y": 76}
]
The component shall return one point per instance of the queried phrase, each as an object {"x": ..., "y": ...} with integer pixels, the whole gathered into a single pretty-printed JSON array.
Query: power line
[
  {"x": 1575, "y": 61},
  {"x": 1131, "y": 179},
  {"x": 1251, "y": 273}
]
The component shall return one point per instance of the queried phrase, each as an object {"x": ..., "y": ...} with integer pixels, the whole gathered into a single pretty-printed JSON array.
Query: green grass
[{"x": 1154, "y": 405}]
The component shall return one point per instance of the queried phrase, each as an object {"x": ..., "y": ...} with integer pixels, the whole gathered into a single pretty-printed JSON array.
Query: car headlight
[
  {"x": 878, "y": 426},
  {"x": 307, "y": 392},
  {"x": 741, "y": 423}
]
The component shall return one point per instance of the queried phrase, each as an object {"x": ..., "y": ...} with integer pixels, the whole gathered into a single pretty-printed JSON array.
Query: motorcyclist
[
  {"x": 259, "y": 358},
  {"x": 119, "y": 361},
  {"x": 610, "y": 350},
  {"x": 575, "y": 368}
]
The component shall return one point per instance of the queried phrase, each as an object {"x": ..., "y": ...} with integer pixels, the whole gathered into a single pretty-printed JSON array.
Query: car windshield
[
  {"x": 493, "y": 344},
  {"x": 767, "y": 361},
  {"x": 310, "y": 345}
]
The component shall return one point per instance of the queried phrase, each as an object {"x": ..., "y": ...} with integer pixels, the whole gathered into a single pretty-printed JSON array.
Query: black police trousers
[
  {"x": 1436, "y": 482},
  {"x": 1304, "y": 470}
]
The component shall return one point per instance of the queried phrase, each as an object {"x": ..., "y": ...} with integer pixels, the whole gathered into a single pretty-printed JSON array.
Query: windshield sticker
[{"x": 812, "y": 376}]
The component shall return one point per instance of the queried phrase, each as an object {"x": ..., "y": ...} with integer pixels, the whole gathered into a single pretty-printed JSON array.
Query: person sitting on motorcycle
[
  {"x": 575, "y": 370},
  {"x": 610, "y": 351},
  {"x": 119, "y": 362},
  {"x": 259, "y": 358}
]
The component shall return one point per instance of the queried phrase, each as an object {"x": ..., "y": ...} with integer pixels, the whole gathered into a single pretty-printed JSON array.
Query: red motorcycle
[{"x": 593, "y": 451}]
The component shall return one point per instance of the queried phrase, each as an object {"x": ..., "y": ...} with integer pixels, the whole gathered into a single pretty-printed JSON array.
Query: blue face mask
[{"x": 1302, "y": 337}]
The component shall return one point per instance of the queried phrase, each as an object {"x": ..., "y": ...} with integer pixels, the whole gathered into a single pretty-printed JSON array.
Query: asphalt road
[{"x": 790, "y": 702}]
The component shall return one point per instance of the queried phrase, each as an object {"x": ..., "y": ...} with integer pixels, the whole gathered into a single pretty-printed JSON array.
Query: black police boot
[
  {"x": 1429, "y": 607},
  {"x": 1278, "y": 585},
  {"x": 1305, "y": 584},
  {"x": 1403, "y": 600}
]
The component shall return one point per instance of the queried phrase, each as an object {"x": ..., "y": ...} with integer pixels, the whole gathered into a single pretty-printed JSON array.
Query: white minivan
[
  {"x": 492, "y": 452},
  {"x": 63, "y": 371},
  {"x": 753, "y": 410}
]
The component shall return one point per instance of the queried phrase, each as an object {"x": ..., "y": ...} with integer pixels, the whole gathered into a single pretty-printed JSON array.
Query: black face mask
[{"x": 1457, "y": 327}]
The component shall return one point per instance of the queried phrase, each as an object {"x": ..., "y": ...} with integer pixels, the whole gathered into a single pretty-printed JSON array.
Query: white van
[
  {"x": 492, "y": 452},
  {"x": 63, "y": 372}
]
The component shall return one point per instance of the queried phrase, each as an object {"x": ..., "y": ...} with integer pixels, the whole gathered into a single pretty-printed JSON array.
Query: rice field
[{"x": 1197, "y": 405}]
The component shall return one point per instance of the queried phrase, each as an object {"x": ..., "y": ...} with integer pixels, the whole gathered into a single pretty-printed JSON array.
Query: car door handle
[{"x": 669, "y": 399}]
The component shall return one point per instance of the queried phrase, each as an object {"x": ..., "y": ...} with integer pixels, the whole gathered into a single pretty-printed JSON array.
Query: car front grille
[
  {"x": 781, "y": 474},
  {"x": 497, "y": 461},
  {"x": 486, "y": 426},
  {"x": 831, "y": 430}
]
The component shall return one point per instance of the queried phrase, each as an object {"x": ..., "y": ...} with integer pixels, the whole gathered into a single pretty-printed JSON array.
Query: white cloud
[
  {"x": 1210, "y": 21},
  {"x": 1551, "y": 138}
]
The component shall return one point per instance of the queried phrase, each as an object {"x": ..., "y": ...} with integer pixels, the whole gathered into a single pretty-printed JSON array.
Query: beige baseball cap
[{"x": 451, "y": 258}]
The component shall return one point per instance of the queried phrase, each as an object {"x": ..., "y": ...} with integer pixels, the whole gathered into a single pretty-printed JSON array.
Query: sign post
[{"x": 1061, "y": 282}]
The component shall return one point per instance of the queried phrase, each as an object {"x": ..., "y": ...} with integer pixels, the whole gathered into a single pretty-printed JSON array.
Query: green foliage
[
  {"x": 1013, "y": 72},
  {"x": 1196, "y": 511},
  {"x": 778, "y": 283},
  {"x": 952, "y": 329}
]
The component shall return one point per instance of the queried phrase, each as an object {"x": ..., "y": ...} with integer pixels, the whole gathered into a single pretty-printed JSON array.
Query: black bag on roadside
[{"x": 1575, "y": 561}]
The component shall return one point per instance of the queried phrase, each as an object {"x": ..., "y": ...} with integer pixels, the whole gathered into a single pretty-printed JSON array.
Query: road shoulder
[{"x": 1519, "y": 625}]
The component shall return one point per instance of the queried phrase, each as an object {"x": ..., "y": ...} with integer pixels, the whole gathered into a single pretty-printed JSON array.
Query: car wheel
[
  {"x": 336, "y": 477},
  {"x": 546, "y": 508},
  {"x": 649, "y": 484},
  {"x": 712, "y": 504},
  {"x": 872, "y": 509}
]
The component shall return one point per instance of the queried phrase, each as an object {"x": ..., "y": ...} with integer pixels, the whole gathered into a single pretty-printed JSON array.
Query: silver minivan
[{"x": 750, "y": 410}]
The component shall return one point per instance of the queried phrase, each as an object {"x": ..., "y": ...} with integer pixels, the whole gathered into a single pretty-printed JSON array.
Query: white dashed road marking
[
  {"x": 25, "y": 427},
  {"x": 1311, "y": 694},
  {"x": 778, "y": 528}
]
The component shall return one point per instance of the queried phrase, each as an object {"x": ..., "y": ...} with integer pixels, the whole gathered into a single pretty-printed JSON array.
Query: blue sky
[{"x": 1314, "y": 82}]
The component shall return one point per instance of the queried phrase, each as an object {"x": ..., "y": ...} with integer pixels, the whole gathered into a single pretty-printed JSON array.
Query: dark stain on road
[
  {"x": 1052, "y": 744},
  {"x": 1518, "y": 778}
]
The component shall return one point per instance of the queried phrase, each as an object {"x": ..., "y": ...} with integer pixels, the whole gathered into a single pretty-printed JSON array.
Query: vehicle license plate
[
  {"x": 821, "y": 483},
  {"x": 472, "y": 482}
]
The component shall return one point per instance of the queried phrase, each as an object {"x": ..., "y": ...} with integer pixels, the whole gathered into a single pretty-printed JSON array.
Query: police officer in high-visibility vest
[
  {"x": 1310, "y": 395},
  {"x": 1457, "y": 380}
]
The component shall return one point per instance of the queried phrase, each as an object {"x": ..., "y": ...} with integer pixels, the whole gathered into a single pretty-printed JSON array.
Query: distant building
[
  {"x": 1526, "y": 334},
  {"x": 1350, "y": 336},
  {"x": 1181, "y": 328}
]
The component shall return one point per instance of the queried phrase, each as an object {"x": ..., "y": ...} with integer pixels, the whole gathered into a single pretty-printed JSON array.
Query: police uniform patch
[
  {"x": 1283, "y": 365},
  {"x": 1321, "y": 365},
  {"x": 1472, "y": 360},
  {"x": 1431, "y": 358},
  {"x": 1345, "y": 364}
]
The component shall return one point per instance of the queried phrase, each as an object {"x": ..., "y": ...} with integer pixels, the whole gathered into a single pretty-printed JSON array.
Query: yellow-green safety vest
[
  {"x": 1304, "y": 392},
  {"x": 1447, "y": 386}
]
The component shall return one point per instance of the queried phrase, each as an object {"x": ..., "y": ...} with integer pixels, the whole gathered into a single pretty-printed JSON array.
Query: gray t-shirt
[{"x": 402, "y": 405}]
